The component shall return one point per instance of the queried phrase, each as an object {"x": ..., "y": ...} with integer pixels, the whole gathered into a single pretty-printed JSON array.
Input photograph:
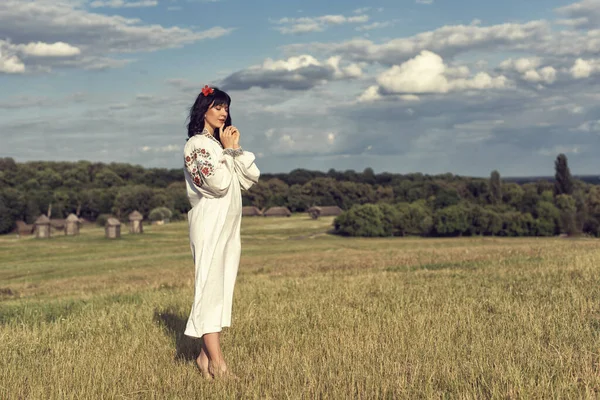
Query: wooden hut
[
  {"x": 21, "y": 228},
  {"x": 57, "y": 224},
  {"x": 112, "y": 229},
  {"x": 277, "y": 212},
  {"x": 251, "y": 211},
  {"x": 135, "y": 222},
  {"x": 325, "y": 211},
  {"x": 72, "y": 225},
  {"x": 42, "y": 227}
]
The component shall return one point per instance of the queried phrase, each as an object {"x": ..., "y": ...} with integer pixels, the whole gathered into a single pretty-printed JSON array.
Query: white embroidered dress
[{"x": 214, "y": 179}]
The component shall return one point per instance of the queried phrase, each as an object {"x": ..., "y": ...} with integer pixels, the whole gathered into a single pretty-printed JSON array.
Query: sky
[{"x": 403, "y": 86}]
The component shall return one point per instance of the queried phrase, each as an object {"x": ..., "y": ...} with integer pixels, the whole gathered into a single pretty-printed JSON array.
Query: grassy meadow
[{"x": 315, "y": 316}]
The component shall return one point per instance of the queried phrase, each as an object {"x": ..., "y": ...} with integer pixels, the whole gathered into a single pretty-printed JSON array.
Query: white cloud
[
  {"x": 589, "y": 126},
  {"x": 295, "y": 73},
  {"x": 558, "y": 149},
  {"x": 162, "y": 149},
  {"x": 40, "y": 49},
  {"x": 316, "y": 24},
  {"x": 123, "y": 4},
  {"x": 427, "y": 73},
  {"x": 582, "y": 14},
  {"x": 10, "y": 63},
  {"x": 424, "y": 1},
  {"x": 447, "y": 41},
  {"x": 584, "y": 68},
  {"x": 528, "y": 68},
  {"x": 49, "y": 33},
  {"x": 374, "y": 25},
  {"x": 361, "y": 10}
]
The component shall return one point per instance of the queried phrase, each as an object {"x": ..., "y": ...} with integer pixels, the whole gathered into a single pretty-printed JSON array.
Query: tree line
[{"x": 398, "y": 204}]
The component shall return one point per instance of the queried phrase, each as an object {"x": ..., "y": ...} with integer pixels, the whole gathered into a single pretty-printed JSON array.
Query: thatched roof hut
[
  {"x": 135, "y": 222},
  {"x": 324, "y": 211},
  {"x": 277, "y": 212},
  {"x": 112, "y": 229},
  {"x": 42, "y": 227},
  {"x": 251, "y": 211},
  {"x": 57, "y": 224},
  {"x": 21, "y": 228},
  {"x": 72, "y": 225}
]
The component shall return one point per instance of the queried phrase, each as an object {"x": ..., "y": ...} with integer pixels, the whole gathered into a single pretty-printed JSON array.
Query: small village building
[
  {"x": 135, "y": 222},
  {"x": 277, "y": 212},
  {"x": 22, "y": 228},
  {"x": 324, "y": 211},
  {"x": 251, "y": 211},
  {"x": 72, "y": 225},
  {"x": 42, "y": 227},
  {"x": 112, "y": 229},
  {"x": 57, "y": 224}
]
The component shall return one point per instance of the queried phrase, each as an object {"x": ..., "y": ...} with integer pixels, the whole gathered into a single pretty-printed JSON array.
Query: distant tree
[
  {"x": 452, "y": 221},
  {"x": 368, "y": 176},
  {"x": 512, "y": 194},
  {"x": 568, "y": 209},
  {"x": 7, "y": 219},
  {"x": 495, "y": 188},
  {"x": 563, "y": 182},
  {"x": 362, "y": 220},
  {"x": 106, "y": 178},
  {"x": 298, "y": 200},
  {"x": 547, "y": 219}
]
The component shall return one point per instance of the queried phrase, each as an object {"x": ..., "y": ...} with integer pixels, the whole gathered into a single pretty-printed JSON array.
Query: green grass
[{"x": 315, "y": 316}]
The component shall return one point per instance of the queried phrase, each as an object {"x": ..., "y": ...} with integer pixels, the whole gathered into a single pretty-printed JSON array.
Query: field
[{"x": 315, "y": 316}]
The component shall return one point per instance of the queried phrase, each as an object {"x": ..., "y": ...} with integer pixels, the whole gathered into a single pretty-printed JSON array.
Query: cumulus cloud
[
  {"x": 585, "y": 68},
  {"x": 40, "y": 30},
  {"x": 428, "y": 74},
  {"x": 10, "y": 63},
  {"x": 447, "y": 41},
  {"x": 316, "y": 24},
  {"x": 40, "y": 49},
  {"x": 295, "y": 73},
  {"x": 584, "y": 14},
  {"x": 528, "y": 68}
]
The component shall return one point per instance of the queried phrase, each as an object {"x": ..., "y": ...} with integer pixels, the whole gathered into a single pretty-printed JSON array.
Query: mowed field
[{"x": 315, "y": 316}]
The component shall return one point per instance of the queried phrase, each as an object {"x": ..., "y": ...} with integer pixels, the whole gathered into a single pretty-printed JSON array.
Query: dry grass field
[{"x": 315, "y": 316}]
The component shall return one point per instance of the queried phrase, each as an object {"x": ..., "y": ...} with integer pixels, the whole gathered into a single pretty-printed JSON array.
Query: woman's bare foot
[
  {"x": 202, "y": 362},
  {"x": 220, "y": 370}
]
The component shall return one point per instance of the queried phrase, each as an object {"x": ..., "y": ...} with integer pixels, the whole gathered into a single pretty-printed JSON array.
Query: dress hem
[{"x": 215, "y": 329}]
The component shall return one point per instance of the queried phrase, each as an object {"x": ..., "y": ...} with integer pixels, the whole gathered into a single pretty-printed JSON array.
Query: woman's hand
[{"x": 230, "y": 137}]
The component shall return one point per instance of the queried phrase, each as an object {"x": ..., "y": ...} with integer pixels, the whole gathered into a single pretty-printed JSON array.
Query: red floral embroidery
[{"x": 198, "y": 161}]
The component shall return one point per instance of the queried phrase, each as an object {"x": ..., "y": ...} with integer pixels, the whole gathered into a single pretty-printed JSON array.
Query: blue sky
[{"x": 402, "y": 86}]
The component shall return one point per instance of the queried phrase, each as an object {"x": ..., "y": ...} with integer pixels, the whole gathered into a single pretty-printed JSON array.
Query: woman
[{"x": 216, "y": 170}]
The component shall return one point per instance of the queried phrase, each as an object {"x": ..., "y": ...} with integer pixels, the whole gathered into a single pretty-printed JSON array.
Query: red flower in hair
[{"x": 207, "y": 90}]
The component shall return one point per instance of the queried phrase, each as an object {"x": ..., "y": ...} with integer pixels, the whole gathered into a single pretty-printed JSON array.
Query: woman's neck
[{"x": 209, "y": 128}]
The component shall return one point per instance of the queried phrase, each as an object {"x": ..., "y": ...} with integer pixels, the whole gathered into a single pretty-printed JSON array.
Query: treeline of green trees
[
  {"x": 377, "y": 204},
  {"x": 538, "y": 208}
]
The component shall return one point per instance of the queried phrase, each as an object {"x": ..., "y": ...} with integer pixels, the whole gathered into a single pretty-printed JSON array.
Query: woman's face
[{"x": 216, "y": 116}]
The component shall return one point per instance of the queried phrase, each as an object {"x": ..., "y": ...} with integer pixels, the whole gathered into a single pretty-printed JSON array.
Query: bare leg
[
  {"x": 202, "y": 361},
  {"x": 216, "y": 363}
]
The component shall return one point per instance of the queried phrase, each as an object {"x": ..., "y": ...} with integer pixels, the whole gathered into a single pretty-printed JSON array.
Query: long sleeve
[
  {"x": 208, "y": 170},
  {"x": 245, "y": 169}
]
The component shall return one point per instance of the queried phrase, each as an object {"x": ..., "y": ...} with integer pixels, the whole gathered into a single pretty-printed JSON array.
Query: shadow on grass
[{"x": 174, "y": 325}]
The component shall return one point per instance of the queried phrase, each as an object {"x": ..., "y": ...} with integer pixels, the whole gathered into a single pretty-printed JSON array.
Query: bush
[
  {"x": 102, "y": 218},
  {"x": 160, "y": 214},
  {"x": 362, "y": 220}
]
